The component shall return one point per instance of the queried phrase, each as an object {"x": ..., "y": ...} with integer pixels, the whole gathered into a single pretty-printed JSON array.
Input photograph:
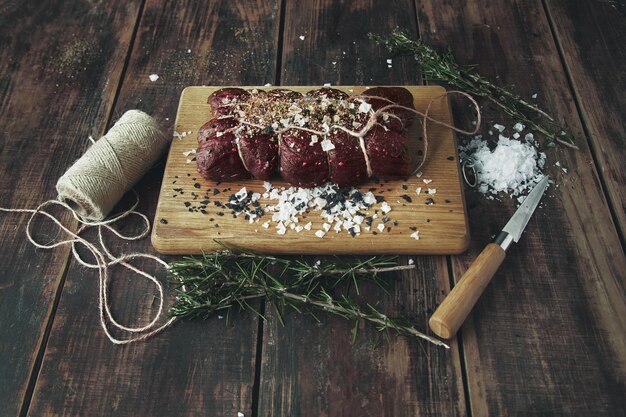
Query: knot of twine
[{"x": 89, "y": 190}]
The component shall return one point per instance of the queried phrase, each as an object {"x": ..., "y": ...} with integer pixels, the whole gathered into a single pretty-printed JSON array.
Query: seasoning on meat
[{"x": 307, "y": 139}]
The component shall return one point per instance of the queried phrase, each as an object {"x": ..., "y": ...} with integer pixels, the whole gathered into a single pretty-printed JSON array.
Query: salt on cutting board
[{"x": 423, "y": 214}]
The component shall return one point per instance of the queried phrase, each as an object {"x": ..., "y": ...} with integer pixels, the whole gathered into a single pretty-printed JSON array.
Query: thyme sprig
[
  {"x": 443, "y": 67},
  {"x": 219, "y": 281}
]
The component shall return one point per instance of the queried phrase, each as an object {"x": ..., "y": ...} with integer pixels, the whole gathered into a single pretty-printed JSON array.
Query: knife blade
[{"x": 451, "y": 313}]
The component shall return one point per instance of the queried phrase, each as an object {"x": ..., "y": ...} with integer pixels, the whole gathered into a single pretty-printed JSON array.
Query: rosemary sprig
[
  {"x": 438, "y": 67},
  {"x": 222, "y": 280}
]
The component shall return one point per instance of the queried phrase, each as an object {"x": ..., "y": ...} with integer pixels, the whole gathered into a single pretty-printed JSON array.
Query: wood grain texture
[
  {"x": 553, "y": 320},
  {"x": 590, "y": 35},
  {"x": 179, "y": 229},
  {"x": 454, "y": 309},
  {"x": 194, "y": 368},
  {"x": 311, "y": 367},
  {"x": 57, "y": 83}
]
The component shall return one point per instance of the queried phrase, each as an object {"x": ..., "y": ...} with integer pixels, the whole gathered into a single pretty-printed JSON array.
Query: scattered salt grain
[
  {"x": 326, "y": 84},
  {"x": 389, "y": 61},
  {"x": 432, "y": 191},
  {"x": 411, "y": 261},
  {"x": 240, "y": 414},
  {"x": 518, "y": 127},
  {"x": 418, "y": 190},
  {"x": 516, "y": 135},
  {"x": 498, "y": 127},
  {"x": 427, "y": 181},
  {"x": 188, "y": 51},
  {"x": 189, "y": 152},
  {"x": 529, "y": 137},
  {"x": 301, "y": 37},
  {"x": 153, "y": 77},
  {"x": 418, "y": 174},
  {"x": 365, "y": 107},
  {"x": 268, "y": 85},
  {"x": 385, "y": 208},
  {"x": 534, "y": 95},
  {"x": 327, "y": 145},
  {"x": 415, "y": 235},
  {"x": 320, "y": 233},
  {"x": 381, "y": 227}
]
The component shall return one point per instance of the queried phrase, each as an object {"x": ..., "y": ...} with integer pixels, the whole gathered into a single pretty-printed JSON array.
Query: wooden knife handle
[{"x": 452, "y": 312}]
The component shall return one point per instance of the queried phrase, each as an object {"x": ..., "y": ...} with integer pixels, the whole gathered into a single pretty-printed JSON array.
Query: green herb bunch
[
  {"x": 442, "y": 67},
  {"x": 219, "y": 281}
]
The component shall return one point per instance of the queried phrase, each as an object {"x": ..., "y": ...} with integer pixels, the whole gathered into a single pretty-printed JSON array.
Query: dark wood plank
[
  {"x": 60, "y": 64},
  {"x": 547, "y": 337},
  {"x": 311, "y": 368},
  {"x": 193, "y": 368},
  {"x": 591, "y": 38}
]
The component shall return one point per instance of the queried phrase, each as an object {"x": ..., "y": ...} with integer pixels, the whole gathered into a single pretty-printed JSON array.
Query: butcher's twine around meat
[{"x": 112, "y": 165}]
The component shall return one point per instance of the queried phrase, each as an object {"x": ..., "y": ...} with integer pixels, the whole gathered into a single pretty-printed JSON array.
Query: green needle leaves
[
  {"x": 442, "y": 67},
  {"x": 222, "y": 280}
]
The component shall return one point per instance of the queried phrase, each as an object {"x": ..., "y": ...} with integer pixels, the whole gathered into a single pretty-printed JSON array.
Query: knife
[{"x": 450, "y": 315}]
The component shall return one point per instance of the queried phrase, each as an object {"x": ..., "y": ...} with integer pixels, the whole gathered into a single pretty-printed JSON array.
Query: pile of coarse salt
[
  {"x": 513, "y": 166},
  {"x": 342, "y": 209}
]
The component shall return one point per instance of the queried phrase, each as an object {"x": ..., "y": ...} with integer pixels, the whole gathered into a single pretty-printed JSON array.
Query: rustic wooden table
[{"x": 547, "y": 338}]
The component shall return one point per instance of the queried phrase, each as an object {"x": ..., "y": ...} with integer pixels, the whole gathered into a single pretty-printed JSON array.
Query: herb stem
[
  {"x": 226, "y": 279},
  {"x": 333, "y": 307},
  {"x": 443, "y": 67}
]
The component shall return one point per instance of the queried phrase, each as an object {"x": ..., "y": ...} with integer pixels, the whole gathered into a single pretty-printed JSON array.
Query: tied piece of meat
[{"x": 323, "y": 135}]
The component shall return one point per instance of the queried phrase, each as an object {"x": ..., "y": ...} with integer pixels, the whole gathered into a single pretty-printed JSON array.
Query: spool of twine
[{"x": 112, "y": 165}]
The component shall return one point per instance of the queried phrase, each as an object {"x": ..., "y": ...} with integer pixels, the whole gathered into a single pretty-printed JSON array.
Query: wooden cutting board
[{"x": 188, "y": 221}]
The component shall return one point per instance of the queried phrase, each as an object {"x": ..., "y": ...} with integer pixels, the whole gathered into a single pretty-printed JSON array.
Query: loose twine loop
[
  {"x": 97, "y": 181},
  {"x": 89, "y": 190},
  {"x": 104, "y": 260}
]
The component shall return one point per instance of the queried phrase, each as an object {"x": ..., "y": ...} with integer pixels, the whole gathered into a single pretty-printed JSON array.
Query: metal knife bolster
[{"x": 504, "y": 240}]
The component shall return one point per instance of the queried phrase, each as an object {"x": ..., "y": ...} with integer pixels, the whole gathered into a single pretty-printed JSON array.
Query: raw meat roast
[{"x": 307, "y": 139}]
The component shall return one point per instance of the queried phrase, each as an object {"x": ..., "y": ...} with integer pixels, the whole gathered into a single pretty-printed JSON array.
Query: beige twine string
[
  {"x": 372, "y": 121},
  {"x": 89, "y": 190},
  {"x": 110, "y": 167}
]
